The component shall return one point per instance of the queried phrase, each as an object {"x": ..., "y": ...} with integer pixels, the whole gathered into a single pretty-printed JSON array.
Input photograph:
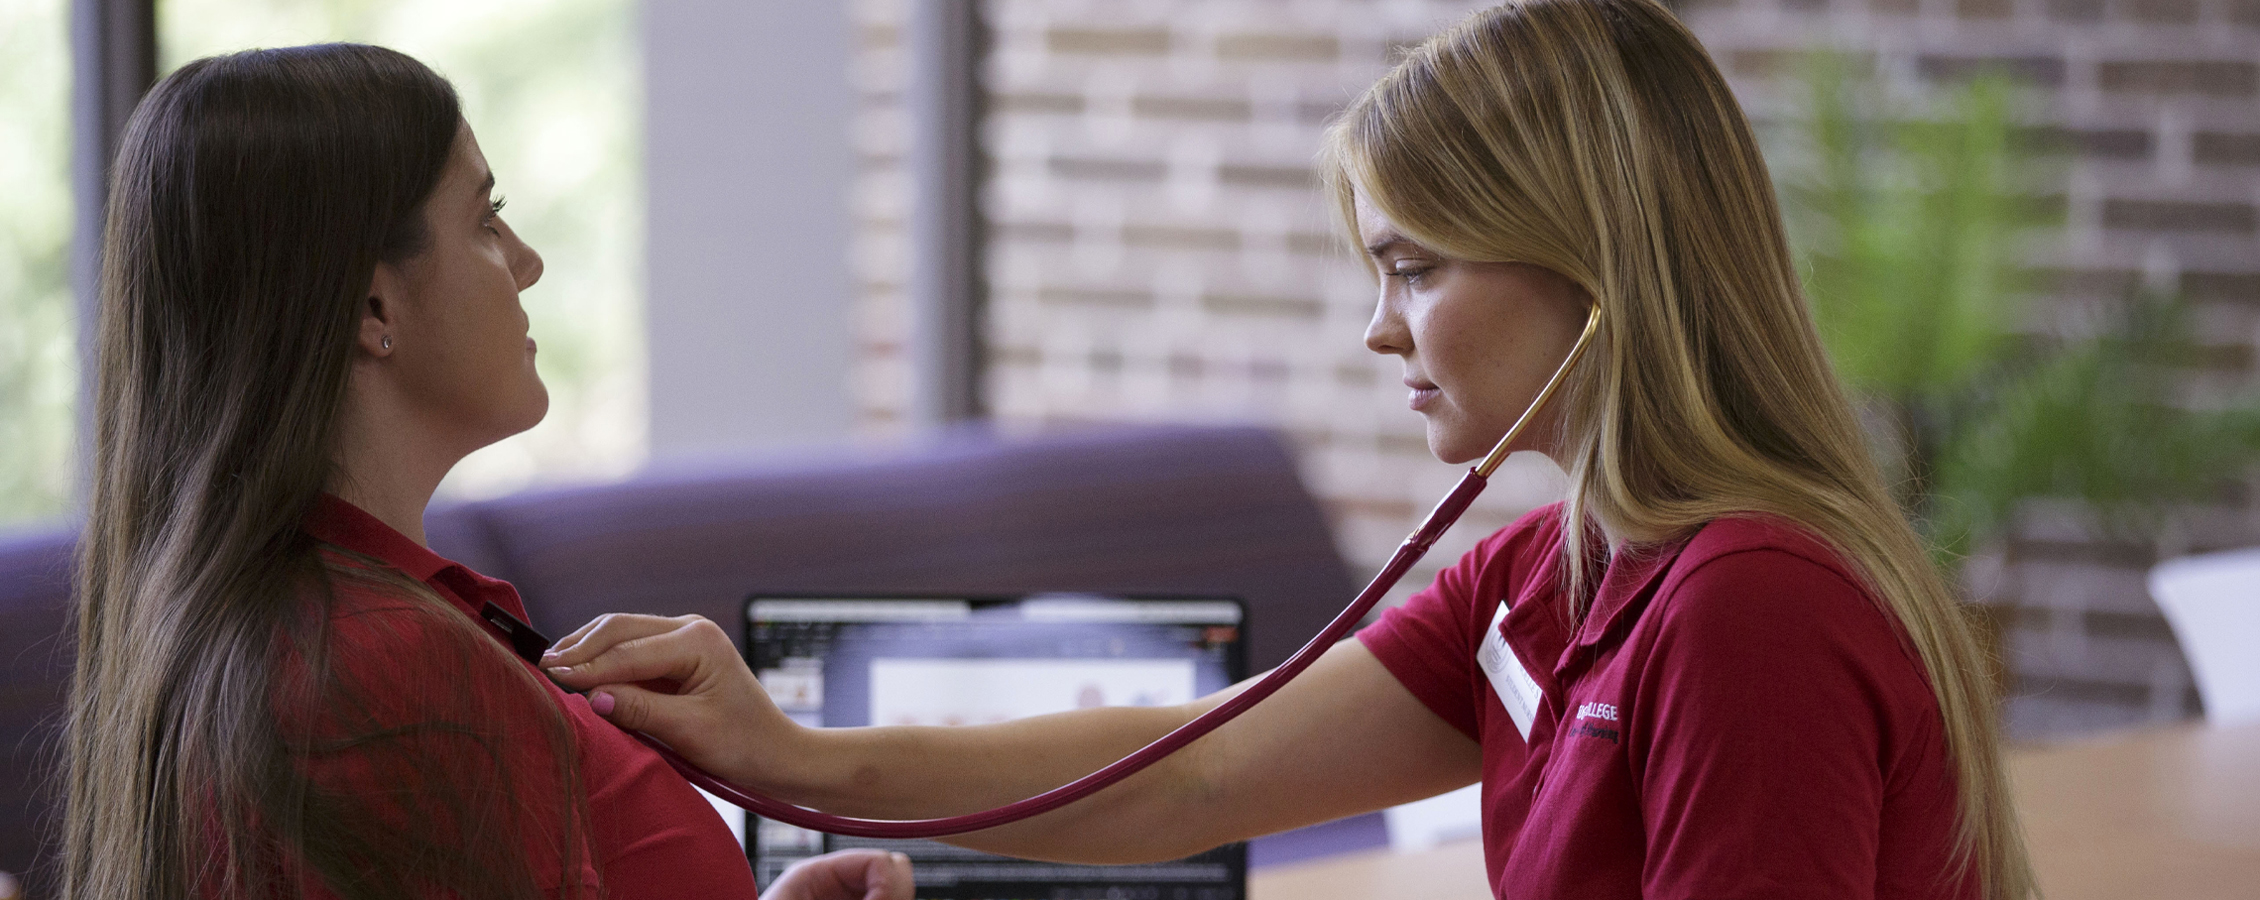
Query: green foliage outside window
[
  {"x": 1912, "y": 230},
  {"x": 38, "y": 323}
]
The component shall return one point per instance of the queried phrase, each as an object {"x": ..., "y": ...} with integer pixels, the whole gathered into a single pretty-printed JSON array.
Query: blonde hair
[{"x": 1596, "y": 138}]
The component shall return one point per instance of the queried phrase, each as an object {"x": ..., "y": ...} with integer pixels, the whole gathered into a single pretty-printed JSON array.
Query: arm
[{"x": 1344, "y": 738}]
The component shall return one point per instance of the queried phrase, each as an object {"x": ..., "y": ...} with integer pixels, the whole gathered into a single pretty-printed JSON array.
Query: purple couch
[{"x": 1157, "y": 510}]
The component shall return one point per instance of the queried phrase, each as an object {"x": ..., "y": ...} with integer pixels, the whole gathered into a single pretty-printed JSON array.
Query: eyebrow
[
  {"x": 488, "y": 184},
  {"x": 1387, "y": 241}
]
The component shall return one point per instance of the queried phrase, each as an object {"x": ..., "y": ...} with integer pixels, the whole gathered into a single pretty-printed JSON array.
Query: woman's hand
[
  {"x": 845, "y": 875},
  {"x": 715, "y": 713}
]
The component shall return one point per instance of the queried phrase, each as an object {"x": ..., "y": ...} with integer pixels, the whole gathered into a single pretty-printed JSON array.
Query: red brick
[
  {"x": 2164, "y": 12},
  {"x": 2227, "y": 149},
  {"x": 1095, "y": 297},
  {"x": 1267, "y": 176},
  {"x": 1269, "y": 307},
  {"x": 1779, "y": 63},
  {"x": 1292, "y": 47},
  {"x": 1107, "y": 42},
  {"x": 2046, "y": 71},
  {"x": 2178, "y": 215},
  {"x": 1053, "y": 104},
  {"x": 1109, "y": 169},
  {"x": 1181, "y": 238},
  {"x": 2090, "y": 282},
  {"x": 2096, "y": 143},
  {"x": 1214, "y": 109},
  {"x": 1034, "y": 232},
  {"x": 2235, "y": 287},
  {"x": 2219, "y": 78}
]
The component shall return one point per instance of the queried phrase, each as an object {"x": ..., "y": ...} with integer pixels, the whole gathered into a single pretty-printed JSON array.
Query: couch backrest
[
  {"x": 1152, "y": 510},
  {"x": 35, "y": 669},
  {"x": 1158, "y": 510}
]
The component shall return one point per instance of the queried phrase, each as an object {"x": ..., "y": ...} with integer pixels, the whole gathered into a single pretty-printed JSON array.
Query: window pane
[
  {"x": 553, "y": 89},
  {"x": 38, "y": 327}
]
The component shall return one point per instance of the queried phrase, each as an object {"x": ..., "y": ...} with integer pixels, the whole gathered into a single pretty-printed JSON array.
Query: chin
[{"x": 1450, "y": 448}]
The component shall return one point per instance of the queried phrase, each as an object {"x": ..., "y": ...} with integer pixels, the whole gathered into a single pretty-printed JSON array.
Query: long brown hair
[
  {"x": 1596, "y": 138},
  {"x": 253, "y": 199}
]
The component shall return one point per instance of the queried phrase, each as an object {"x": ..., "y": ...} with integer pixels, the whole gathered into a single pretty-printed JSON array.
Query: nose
[
  {"x": 525, "y": 265},
  {"x": 1387, "y": 333}
]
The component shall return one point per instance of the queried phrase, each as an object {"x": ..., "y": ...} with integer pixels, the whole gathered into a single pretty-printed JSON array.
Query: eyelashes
[{"x": 495, "y": 208}]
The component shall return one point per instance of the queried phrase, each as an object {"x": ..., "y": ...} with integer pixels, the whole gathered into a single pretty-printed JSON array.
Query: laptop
[{"x": 837, "y": 661}]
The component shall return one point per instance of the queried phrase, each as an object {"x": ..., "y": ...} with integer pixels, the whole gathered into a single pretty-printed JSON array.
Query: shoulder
[
  {"x": 1744, "y": 543},
  {"x": 408, "y": 653},
  {"x": 1753, "y": 565},
  {"x": 1765, "y": 597}
]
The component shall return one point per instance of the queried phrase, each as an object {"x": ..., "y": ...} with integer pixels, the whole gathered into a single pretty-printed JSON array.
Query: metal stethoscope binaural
[{"x": 1415, "y": 546}]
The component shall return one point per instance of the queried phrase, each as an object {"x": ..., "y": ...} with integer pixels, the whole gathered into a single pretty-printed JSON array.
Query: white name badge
[{"x": 1517, "y": 692}]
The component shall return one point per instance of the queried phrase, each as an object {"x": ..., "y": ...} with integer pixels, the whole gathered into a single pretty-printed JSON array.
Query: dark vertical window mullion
[{"x": 113, "y": 63}]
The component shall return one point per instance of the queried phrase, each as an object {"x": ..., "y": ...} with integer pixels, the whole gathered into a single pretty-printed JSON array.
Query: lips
[{"x": 1422, "y": 394}]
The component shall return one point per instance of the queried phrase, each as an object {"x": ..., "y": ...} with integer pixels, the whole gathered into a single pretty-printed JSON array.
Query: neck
[{"x": 387, "y": 467}]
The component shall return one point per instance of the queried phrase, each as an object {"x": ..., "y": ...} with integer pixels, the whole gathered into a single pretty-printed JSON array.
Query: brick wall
[
  {"x": 2157, "y": 106},
  {"x": 1158, "y": 250}
]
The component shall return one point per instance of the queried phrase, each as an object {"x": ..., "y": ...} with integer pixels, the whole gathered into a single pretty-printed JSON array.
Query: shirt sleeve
[
  {"x": 423, "y": 740},
  {"x": 1429, "y": 642},
  {"x": 1758, "y": 738},
  {"x": 659, "y": 837}
]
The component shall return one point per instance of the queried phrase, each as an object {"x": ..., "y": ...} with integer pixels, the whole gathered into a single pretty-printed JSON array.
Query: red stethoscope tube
[
  {"x": 1415, "y": 546},
  {"x": 1407, "y": 553}
]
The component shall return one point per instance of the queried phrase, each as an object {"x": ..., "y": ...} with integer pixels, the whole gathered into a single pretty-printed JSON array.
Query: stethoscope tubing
[{"x": 1408, "y": 553}]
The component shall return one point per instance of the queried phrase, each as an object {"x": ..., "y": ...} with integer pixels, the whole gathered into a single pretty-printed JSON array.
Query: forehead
[
  {"x": 466, "y": 166},
  {"x": 1371, "y": 221},
  {"x": 1376, "y": 233}
]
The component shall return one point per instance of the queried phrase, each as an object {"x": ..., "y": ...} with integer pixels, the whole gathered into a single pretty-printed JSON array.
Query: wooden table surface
[{"x": 2169, "y": 813}]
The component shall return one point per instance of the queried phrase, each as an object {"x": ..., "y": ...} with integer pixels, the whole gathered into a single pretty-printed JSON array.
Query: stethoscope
[{"x": 1414, "y": 547}]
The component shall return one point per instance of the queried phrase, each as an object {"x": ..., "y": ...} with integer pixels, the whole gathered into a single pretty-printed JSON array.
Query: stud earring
[{"x": 386, "y": 342}]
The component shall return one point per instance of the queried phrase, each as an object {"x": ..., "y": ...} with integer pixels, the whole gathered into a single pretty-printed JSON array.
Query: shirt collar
[
  {"x": 335, "y": 521},
  {"x": 1626, "y": 586}
]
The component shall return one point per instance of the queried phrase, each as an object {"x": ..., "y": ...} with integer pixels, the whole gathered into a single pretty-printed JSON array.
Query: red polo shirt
[
  {"x": 649, "y": 834},
  {"x": 1734, "y": 717}
]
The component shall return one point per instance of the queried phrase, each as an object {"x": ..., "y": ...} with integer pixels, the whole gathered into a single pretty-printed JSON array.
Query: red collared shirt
[
  {"x": 1734, "y": 718},
  {"x": 648, "y": 833}
]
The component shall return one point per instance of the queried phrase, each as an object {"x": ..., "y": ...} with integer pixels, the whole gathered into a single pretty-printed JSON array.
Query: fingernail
[
  {"x": 602, "y": 703},
  {"x": 558, "y": 671},
  {"x": 547, "y": 655}
]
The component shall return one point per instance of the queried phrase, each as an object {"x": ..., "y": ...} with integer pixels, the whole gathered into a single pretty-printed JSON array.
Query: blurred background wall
[{"x": 725, "y": 195}]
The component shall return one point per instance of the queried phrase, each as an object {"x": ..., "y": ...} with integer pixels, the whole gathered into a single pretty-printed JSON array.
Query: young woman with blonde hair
[{"x": 1724, "y": 666}]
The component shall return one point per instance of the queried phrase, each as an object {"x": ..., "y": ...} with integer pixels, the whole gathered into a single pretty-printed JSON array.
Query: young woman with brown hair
[
  {"x": 1723, "y": 667},
  {"x": 309, "y": 314}
]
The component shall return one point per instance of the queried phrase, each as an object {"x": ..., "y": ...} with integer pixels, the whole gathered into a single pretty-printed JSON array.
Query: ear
[{"x": 380, "y": 313}]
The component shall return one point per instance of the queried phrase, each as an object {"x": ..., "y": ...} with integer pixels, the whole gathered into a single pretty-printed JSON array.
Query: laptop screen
[{"x": 849, "y": 661}]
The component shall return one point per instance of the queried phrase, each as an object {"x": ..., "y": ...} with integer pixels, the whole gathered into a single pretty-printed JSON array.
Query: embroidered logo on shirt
[{"x": 1591, "y": 712}]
